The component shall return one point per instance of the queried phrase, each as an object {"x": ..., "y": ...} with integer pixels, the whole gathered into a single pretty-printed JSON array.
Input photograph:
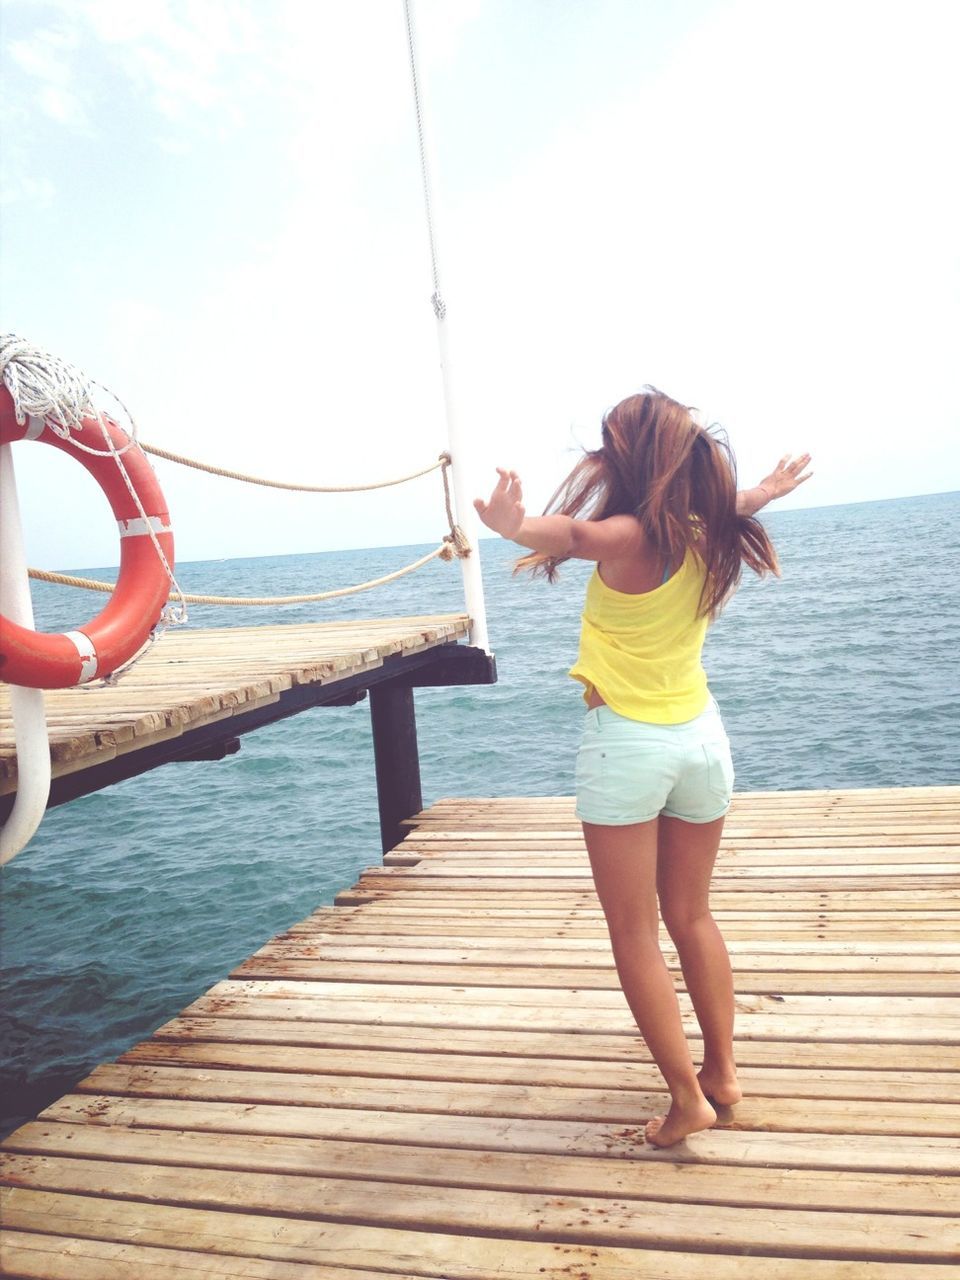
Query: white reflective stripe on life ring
[
  {"x": 138, "y": 527},
  {"x": 35, "y": 427},
  {"x": 88, "y": 654}
]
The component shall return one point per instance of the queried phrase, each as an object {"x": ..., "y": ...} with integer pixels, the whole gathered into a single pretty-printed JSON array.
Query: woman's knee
[
  {"x": 631, "y": 928},
  {"x": 684, "y": 922}
]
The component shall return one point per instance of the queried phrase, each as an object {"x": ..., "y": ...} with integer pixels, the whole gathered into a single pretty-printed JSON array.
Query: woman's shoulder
[{"x": 617, "y": 537}]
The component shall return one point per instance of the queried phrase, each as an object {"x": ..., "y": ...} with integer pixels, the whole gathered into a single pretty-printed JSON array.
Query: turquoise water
[{"x": 131, "y": 902}]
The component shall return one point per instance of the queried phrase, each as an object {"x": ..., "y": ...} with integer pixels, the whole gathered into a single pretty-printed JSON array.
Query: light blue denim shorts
[{"x": 632, "y": 771}]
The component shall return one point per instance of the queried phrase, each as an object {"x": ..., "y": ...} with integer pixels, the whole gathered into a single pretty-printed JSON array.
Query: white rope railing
[
  {"x": 46, "y": 387},
  {"x": 442, "y": 461},
  {"x": 446, "y": 551}
]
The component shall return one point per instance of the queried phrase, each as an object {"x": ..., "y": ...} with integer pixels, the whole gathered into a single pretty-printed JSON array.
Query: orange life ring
[{"x": 45, "y": 661}]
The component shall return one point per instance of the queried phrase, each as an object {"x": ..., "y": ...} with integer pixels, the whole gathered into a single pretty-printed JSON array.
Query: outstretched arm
[
  {"x": 556, "y": 535},
  {"x": 783, "y": 479}
]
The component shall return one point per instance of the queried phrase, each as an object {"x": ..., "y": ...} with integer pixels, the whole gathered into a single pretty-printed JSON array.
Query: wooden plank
[
  {"x": 730, "y": 859},
  {"x": 798, "y": 928},
  {"x": 880, "y": 1153},
  {"x": 374, "y": 880},
  {"x": 838, "y": 906},
  {"x": 488, "y": 1010},
  {"x": 237, "y": 1044},
  {"x": 754, "y": 897},
  {"x": 312, "y": 938},
  {"x": 944, "y": 1009},
  {"x": 367, "y": 1039},
  {"x": 339, "y": 925},
  {"x": 441, "y": 1256},
  {"x": 786, "y": 817},
  {"x": 741, "y": 928},
  {"x": 265, "y": 1088},
  {"x": 741, "y": 1182},
  {"x": 390, "y": 970},
  {"x": 593, "y": 956},
  {"x": 35, "y": 1256},
  {"x": 574, "y": 875},
  {"x": 879, "y": 837},
  {"x": 521, "y": 1215}
]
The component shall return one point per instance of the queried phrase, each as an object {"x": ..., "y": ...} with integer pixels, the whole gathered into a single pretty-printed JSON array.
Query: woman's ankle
[
  {"x": 686, "y": 1090},
  {"x": 721, "y": 1066}
]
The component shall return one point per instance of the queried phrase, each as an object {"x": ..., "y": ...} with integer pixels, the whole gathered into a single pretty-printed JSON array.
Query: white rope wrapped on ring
[{"x": 43, "y": 386}]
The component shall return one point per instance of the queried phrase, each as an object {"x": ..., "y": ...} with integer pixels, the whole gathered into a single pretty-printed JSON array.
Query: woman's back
[{"x": 640, "y": 651}]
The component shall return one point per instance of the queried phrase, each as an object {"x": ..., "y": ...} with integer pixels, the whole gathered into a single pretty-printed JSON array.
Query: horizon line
[{"x": 492, "y": 537}]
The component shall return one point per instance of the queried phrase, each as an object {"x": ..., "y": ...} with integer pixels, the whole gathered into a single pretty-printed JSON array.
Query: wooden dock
[
  {"x": 439, "y": 1077},
  {"x": 195, "y": 692}
]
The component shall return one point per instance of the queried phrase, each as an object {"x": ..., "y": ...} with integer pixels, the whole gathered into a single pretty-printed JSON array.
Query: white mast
[{"x": 464, "y": 473}]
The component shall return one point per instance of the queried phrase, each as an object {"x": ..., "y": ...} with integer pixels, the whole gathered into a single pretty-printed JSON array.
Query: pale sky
[{"x": 214, "y": 208}]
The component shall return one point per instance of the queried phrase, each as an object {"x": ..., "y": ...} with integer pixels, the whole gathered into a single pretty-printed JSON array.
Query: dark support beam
[
  {"x": 396, "y": 758},
  {"x": 216, "y": 750},
  {"x": 449, "y": 665}
]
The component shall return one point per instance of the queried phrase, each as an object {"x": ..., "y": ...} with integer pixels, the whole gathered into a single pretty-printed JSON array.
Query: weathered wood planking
[
  {"x": 195, "y": 678},
  {"x": 440, "y": 1078}
]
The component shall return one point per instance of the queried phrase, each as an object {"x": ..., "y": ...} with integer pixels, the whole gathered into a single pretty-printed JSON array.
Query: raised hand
[
  {"x": 785, "y": 476},
  {"x": 505, "y": 511}
]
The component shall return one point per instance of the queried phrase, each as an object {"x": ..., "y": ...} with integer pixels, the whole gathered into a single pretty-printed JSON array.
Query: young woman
[{"x": 657, "y": 508}]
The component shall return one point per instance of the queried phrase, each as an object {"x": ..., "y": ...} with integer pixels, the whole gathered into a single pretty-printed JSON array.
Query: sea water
[{"x": 131, "y": 902}]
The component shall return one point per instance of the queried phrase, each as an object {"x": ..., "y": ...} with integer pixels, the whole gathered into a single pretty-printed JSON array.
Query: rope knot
[{"x": 457, "y": 544}]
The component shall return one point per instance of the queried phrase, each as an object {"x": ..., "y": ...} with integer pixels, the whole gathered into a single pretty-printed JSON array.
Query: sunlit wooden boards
[
  {"x": 194, "y": 678},
  {"x": 439, "y": 1077}
]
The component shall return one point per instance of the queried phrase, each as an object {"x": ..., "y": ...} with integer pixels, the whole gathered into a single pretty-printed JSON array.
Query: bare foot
[
  {"x": 722, "y": 1089},
  {"x": 664, "y": 1131}
]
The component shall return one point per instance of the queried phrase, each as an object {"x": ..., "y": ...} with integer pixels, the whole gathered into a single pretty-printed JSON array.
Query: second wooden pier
[{"x": 194, "y": 695}]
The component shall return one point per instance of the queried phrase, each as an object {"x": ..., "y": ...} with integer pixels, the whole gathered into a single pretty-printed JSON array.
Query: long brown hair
[{"x": 680, "y": 480}]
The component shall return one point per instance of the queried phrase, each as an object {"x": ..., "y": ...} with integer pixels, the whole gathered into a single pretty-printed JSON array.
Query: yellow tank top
[{"x": 642, "y": 652}]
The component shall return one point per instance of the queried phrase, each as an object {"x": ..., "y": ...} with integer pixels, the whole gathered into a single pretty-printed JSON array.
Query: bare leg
[
  {"x": 687, "y": 852},
  {"x": 624, "y": 862}
]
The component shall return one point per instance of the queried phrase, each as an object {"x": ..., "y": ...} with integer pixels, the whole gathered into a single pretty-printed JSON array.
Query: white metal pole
[
  {"x": 29, "y": 715},
  {"x": 465, "y": 479}
]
